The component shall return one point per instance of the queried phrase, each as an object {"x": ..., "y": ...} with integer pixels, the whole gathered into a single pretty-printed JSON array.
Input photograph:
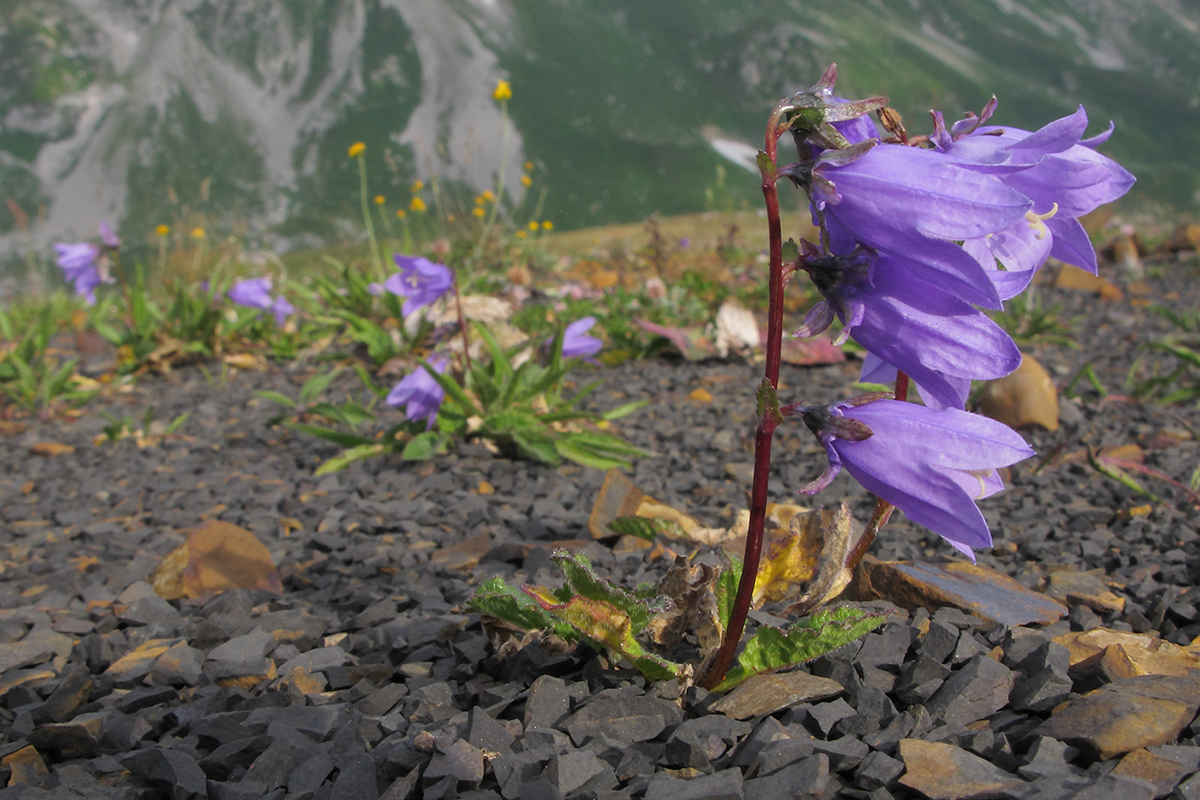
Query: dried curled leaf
[
  {"x": 833, "y": 572},
  {"x": 606, "y": 624},
  {"x": 694, "y": 606},
  {"x": 771, "y": 649}
]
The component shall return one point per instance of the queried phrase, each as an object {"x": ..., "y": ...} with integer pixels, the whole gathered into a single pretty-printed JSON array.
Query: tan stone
[
  {"x": 942, "y": 771},
  {"x": 1085, "y": 588},
  {"x": 1138, "y": 712},
  {"x": 465, "y": 555},
  {"x": 26, "y": 764},
  {"x": 1024, "y": 398},
  {"x": 1128, "y": 654},
  {"x": 79, "y": 738},
  {"x": 766, "y": 694},
  {"x": 216, "y": 557},
  {"x": 976, "y": 590},
  {"x": 1163, "y": 773},
  {"x": 137, "y": 662}
]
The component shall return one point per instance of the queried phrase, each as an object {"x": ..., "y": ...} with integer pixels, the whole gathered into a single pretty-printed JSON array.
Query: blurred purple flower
[
  {"x": 252, "y": 292},
  {"x": 576, "y": 342},
  {"x": 107, "y": 236},
  {"x": 420, "y": 281},
  {"x": 420, "y": 393},
  {"x": 282, "y": 309},
  {"x": 931, "y": 464},
  {"x": 84, "y": 267}
]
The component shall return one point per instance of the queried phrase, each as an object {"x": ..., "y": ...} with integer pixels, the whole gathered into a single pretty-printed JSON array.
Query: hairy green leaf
[
  {"x": 771, "y": 649},
  {"x": 584, "y": 581}
]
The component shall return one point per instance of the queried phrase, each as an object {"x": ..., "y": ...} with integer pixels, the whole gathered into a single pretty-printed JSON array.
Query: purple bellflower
[
  {"x": 256, "y": 293},
  {"x": 912, "y": 202},
  {"x": 252, "y": 292},
  {"x": 84, "y": 267},
  {"x": 110, "y": 239},
  {"x": 941, "y": 342},
  {"x": 282, "y": 309},
  {"x": 931, "y": 464},
  {"x": 1057, "y": 169},
  {"x": 420, "y": 393},
  {"x": 420, "y": 281},
  {"x": 576, "y": 342}
]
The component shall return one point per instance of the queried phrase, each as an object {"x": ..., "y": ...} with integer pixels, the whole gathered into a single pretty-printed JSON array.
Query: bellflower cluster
[
  {"x": 916, "y": 235},
  {"x": 256, "y": 293}
]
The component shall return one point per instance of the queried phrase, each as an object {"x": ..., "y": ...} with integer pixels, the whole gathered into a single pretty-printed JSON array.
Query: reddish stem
[
  {"x": 766, "y": 426},
  {"x": 462, "y": 326}
]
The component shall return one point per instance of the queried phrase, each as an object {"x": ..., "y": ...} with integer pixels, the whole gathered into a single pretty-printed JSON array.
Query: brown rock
[
  {"x": 79, "y": 738},
  {"x": 216, "y": 557},
  {"x": 1073, "y": 587},
  {"x": 26, "y": 765},
  {"x": 464, "y": 556},
  {"x": 1124, "y": 655},
  {"x": 944, "y": 772},
  {"x": 135, "y": 664},
  {"x": 1025, "y": 398},
  {"x": 1163, "y": 773},
  {"x": 766, "y": 694},
  {"x": 1135, "y": 713},
  {"x": 977, "y": 590}
]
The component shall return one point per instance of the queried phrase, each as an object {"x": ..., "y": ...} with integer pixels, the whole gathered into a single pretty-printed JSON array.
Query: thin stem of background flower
[
  {"x": 502, "y": 93},
  {"x": 376, "y": 256}
]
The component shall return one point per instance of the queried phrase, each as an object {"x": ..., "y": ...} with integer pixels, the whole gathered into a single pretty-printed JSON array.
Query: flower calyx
[{"x": 809, "y": 114}]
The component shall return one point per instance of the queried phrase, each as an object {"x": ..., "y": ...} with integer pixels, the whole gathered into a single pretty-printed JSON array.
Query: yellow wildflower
[
  {"x": 417, "y": 205},
  {"x": 357, "y": 149},
  {"x": 478, "y": 211},
  {"x": 520, "y": 234},
  {"x": 503, "y": 91},
  {"x": 417, "y": 186},
  {"x": 487, "y": 195},
  {"x": 547, "y": 225},
  {"x": 162, "y": 230},
  {"x": 526, "y": 181},
  {"x": 197, "y": 233},
  {"x": 401, "y": 213},
  {"x": 533, "y": 226},
  {"x": 379, "y": 200},
  {"x": 529, "y": 166},
  {"x": 479, "y": 200}
]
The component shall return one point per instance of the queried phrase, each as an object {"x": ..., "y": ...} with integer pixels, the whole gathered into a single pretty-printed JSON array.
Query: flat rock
[
  {"x": 766, "y": 694},
  {"x": 985, "y": 593},
  {"x": 81, "y": 737},
  {"x": 1134, "y": 713},
  {"x": 723, "y": 785},
  {"x": 942, "y": 771},
  {"x": 1162, "y": 773},
  {"x": 1071, "y": 587},
  {"x": 1121, "y": 654}
]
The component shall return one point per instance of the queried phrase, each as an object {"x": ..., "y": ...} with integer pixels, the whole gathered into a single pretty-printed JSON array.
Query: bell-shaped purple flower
[
  {"x": 915, "y": 203},
  {"x": 940, "y": 341},
  {"x": 576, "y": 342},
  {"x": 931, "y": 464},
  {"x": 252, "y": 292},
  {"x": 1058, "y": 170},
  {"x": 84, "y": 267},
  {"x": 420, "y": 281},
  {"x": 110, "y": 239},
  {"x": 419, "y": 393}
]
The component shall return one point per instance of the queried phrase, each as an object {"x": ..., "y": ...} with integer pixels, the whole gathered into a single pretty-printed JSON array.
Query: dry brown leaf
[
  {"x": 694, "y": 606},
  {"x": 833, "y": 574},
  {"x": 50, "y": 449}
]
